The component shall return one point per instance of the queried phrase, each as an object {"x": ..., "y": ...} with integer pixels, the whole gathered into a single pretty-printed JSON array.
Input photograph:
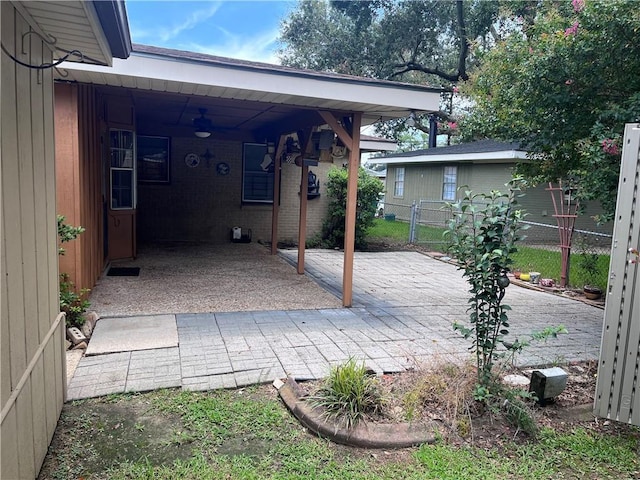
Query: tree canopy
[
  {"x": 425, "y": 41},
  {"x": 564, "y": 85},
  {"x": 434, "y": 42}
]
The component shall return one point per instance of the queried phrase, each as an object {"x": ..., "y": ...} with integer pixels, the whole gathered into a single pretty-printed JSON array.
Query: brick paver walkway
[{"x": 404, "y": 305}]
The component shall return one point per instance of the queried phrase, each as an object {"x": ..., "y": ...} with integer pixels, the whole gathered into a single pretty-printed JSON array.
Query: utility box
[{"x": 548, "y": 383}]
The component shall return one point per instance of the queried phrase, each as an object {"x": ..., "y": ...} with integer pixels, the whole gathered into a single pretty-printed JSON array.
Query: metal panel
[{"x": 617, "y": 395}]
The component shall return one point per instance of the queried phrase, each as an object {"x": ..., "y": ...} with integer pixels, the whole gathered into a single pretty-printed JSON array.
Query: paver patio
[{"x": 404, "y": 306}]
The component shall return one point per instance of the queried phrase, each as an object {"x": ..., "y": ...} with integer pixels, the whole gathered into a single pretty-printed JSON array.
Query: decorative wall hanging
[
  {"x": 208, "y": 156},
  {"x": 192, "y": 160},
  {"x": 222, "y": 168}
]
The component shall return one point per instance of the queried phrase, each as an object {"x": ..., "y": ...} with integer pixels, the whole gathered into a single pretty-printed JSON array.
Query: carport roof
[{"x": 189, "y": 73}]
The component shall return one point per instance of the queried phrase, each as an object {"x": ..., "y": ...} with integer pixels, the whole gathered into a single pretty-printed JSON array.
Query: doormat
[{"x": 123, "y": 272}]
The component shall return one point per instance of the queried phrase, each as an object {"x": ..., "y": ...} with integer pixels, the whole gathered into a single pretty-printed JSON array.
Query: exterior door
[{"x": 121, "y": 215}]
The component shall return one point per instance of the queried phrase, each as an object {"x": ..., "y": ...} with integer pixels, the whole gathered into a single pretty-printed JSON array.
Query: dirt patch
[
  {"x": 96, "y": 434},
  {"x": 443, "y": 396}
]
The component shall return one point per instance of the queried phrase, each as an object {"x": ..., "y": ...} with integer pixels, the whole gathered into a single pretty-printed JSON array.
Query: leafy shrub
[
  {"x": 482, "y": 234},
  {"x": 369, "y": 190},
  {"x": 72, "y": 303},
  {"x": 350, "y": 393},
  {"x": 66, "y": 233}
]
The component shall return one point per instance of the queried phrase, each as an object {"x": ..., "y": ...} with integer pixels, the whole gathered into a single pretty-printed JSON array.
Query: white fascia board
[
  {"x": 465, "y": 157},
  {"x": 277, "y": 82},
  {"x": 377, "y": 146}
]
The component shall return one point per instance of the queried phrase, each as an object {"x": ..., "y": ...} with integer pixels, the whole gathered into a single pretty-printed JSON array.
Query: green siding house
[{"x": 434, "y": 175}]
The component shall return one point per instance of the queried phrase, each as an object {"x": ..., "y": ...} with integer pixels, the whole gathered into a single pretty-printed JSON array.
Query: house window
[
  {"x": 449, "y": 183},
  {"x": 257, "y": 174},
  {"x": 398, "y": 188},
  {"x": 122, "y": 169}
]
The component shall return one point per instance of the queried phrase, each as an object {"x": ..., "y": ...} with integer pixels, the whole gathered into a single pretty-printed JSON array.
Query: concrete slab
[{"x": 133, "y": 333}]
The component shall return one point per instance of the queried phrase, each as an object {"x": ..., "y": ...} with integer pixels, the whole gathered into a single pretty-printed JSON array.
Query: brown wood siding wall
[
  {"x": 79, "y": 180},
  {"x": 32, "y": 334}
]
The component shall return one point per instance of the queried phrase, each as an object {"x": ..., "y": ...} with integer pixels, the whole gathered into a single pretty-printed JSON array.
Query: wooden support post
[
  {"x": 304, "y": 138},
  {"x": 277, "y": 162},
  {"x": 350, "y": 220},
  {"x": 302, "y": 231}
]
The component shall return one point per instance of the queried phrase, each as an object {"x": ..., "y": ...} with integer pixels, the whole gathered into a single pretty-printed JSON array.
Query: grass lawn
[
  {"x": 526, "y": 259},
  {"x": 248, "y": 434}
]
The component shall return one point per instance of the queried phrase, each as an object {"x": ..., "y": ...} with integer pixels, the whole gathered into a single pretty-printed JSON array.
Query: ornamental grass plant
[{"x": 350, "y": 393}]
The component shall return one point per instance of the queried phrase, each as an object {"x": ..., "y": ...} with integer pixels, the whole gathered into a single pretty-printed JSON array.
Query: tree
[
  {"x": 564, "y": 85},
  {"x": 425, "y": 42},
  {"x": 434, "y": 42}
]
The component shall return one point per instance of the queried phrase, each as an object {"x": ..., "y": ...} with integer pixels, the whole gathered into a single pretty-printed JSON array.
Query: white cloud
[
  {"x": 161, "y": 34},
  {"x": 259, "y": 47}
]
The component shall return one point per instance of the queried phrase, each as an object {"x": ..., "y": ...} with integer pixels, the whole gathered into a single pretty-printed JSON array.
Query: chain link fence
[{"x": 424, "y": 223}]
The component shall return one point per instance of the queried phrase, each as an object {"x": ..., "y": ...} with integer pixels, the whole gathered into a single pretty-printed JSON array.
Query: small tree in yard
[
  {"x": 369, "y": 190},
  {"x": 481, "y": 236}
]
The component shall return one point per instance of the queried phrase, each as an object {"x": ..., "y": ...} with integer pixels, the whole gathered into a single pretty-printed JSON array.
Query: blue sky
[{"x": 231, "y": 28}]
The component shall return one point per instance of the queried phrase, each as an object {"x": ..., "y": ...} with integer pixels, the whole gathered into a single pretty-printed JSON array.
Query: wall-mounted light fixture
[{"x": 411, "y": 121}]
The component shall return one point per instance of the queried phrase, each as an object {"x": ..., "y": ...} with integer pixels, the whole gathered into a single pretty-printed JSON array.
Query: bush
[
  {"x": 72, "y": 303},
  {"x": 369, "y": 190}
]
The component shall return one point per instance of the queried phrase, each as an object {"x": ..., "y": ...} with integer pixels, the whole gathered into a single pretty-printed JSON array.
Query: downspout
[{"x": 433, "y": 131}]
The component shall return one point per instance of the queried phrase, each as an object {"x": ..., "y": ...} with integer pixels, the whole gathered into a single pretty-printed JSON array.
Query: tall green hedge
[{"x": 369, "y": 190}]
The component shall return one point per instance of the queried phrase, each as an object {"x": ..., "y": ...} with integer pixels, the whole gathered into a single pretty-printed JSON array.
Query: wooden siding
[
  {"x": 32, "y": 333},
  {"x": 424, "y": 182},
  {"x": 79, "y": 180}
]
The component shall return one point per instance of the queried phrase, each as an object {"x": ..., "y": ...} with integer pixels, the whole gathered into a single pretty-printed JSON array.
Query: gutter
[{"x": 115, "y": 24}]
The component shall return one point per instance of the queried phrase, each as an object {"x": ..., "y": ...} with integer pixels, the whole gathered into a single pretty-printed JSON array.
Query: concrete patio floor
[
  {"x": 197, "y": 278},
  {"x": 404, "y": 306}
]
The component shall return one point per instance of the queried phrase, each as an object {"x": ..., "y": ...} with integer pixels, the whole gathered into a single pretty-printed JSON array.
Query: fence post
[{"x": 412, "y": 225}]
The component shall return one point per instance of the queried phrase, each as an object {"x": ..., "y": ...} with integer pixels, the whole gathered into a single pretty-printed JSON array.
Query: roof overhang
[
  {"x": 162, "y": 70},
  {"x": 505, "y": 156},
  {"x": 377, "y": 145},
  {"x": 97, "y": 29}
]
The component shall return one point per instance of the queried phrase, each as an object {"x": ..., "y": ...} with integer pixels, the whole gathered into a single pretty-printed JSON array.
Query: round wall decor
[
  {"x": 223, "y": 168},
  {"x": 192, "y": 160}
]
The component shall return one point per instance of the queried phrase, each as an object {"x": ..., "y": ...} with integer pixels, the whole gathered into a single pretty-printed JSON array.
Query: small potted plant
[{"x": 591, "y": 269}]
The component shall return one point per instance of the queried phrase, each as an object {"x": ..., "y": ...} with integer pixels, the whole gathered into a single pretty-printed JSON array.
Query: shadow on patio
[{"x": 200, "y": 278}]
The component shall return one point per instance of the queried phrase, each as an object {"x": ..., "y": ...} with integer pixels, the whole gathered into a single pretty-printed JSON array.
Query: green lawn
[
  {"x": 249, "y": 434},
  {"x": 398, "y": 232},
  {"x": 527, "y": 259}
]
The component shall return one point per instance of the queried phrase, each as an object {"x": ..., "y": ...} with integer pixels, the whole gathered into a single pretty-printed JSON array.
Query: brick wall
[{"x": 200, "y": 205}]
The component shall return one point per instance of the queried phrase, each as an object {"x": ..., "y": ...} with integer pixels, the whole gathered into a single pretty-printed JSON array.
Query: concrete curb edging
[{"x": 374, "y": 435}]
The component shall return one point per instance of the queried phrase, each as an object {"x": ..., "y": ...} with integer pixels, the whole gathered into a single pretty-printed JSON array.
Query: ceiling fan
[{"x": 202, "y": 124}]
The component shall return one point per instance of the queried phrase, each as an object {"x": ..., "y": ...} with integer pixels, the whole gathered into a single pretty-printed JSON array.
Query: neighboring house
[
  {"x": 33, "y": 377},
  {"x": 435, "y": 174},
  {"x": 172, "y": 145}
]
